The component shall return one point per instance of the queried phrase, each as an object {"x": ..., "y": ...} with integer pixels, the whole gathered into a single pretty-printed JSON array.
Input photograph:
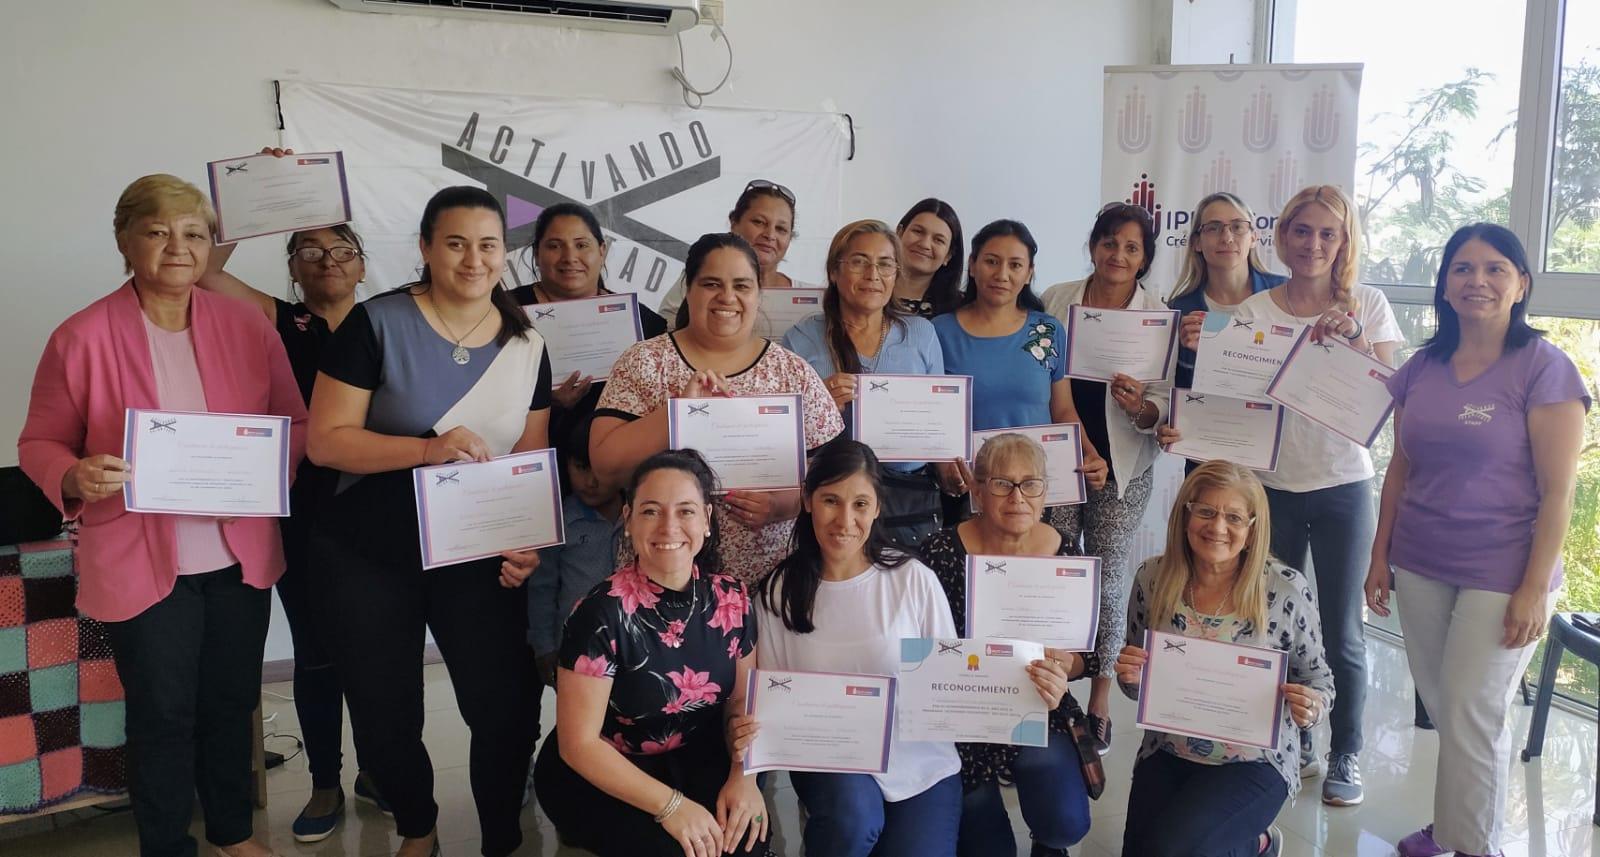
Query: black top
[
  {"x": 304, "y": 333},
  {"x": 1089, "y": 398}
]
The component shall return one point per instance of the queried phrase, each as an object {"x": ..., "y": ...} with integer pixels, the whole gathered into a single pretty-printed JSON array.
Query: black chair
[{"x": 1565, "y": 636}]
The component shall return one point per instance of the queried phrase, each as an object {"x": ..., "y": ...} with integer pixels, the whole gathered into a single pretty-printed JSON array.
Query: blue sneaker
[
  {"x": 367, "y": 791},
  {"x": 315, "y": 828}
]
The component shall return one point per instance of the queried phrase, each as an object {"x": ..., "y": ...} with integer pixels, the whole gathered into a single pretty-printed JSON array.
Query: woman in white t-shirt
[
  {"x": 1321, "y": 494},
  {"x": 840, "y": 603}
]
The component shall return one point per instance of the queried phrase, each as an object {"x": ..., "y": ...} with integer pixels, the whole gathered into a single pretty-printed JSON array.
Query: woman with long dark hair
[
  {"x": 841, "y": 602},
  {"x": 446, "y": 369},
  {"x": 930, "y": 279}
]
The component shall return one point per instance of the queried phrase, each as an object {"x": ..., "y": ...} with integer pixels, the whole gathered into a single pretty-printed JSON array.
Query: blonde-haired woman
[
  {"x": 1221, "y": 269},
  {"x": 1216, "y": 580},
  {"x": 1321, "y": 493},
  {"x": 184, "y": 597},
  {"x": 861, "y": 331}
]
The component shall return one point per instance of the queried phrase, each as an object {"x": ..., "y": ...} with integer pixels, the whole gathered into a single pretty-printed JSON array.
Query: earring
[{"x": 708, "y": 534}]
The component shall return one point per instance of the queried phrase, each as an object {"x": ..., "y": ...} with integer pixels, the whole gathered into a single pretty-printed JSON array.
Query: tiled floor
[{"x": 1549, "y": 811}]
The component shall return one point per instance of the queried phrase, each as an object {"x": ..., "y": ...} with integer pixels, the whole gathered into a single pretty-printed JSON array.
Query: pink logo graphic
[
  {"x": 1155, "y": 322},
  {"x": 1071, "y": 572},
  {"x": 803, "y": 300},
  {"x": 1284, "y": 181},
  {"x": 1260, "y": 123},
  {"x": 1282, "y": 330},
  {"x": 1376, "y": 374},
  {"x": 1144, "y": 196},
  {"x": 1219, "y": 176},
  {"x": 772, "y": 409},
  {"x": 1047, "y": 438},
  {"x": 946, "y": 388},
  {"x": 252, "y": 431},
  {"x": 617, "y": 307},
  {"x": 998, "y": 650},
  {"x": 1194, "y": 126},
  {"x": 1259, "y": 663},
  {"x": 859, "y": 690},
  {"x": 1257, "y": 406},
  {"x": 1133, "y": 124},
  {"x": 519, "y": 469},
  {"x": 310, "y": 162},
  {"x": 1322, "y": 121}
]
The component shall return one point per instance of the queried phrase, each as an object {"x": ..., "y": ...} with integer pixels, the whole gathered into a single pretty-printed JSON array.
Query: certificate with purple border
[
  {"x": 478, "y": 509},
  {"x": 914, "y": 417},
  {"x": 822, "y": 722},
  {"x": 1138, "y": 343},
  {"x": 212, "y": 465},
  {"x": 1063, "y": 456},
  {"x": 587, "y": 335},
  {"x": 1244, "y": 431},
  {"x": 753, "y": 443},
  {"x": 1211, "y": 689},
  {"x": 264, "y": 194},
  {"x": 1338, "y": 387},
  {"x": 1052, "y": 600},
  {"x": 782, "y": 309}
]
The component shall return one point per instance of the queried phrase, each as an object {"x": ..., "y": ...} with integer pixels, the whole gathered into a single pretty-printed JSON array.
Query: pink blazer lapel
[{"x": 136, "y": 373}]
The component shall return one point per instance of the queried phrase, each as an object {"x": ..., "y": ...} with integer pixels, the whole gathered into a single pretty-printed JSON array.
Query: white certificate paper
[
  {"x": 970, "y": 690},
  {"x": 1063, "y": 455},
  {"x": 824, "y": 722},
  {"x": 1238, "y": 357},
  {"x": 1244, "y": 431},
  {"x": 214, "y": 465},
  {"x": 477, "y": 509},
  {"x": 1342, "y": 389},
  {"x": 262, "y": 194},
  {"x": 1138, "y": 343},
  {"x": 753, "y": 443},
  {"x": 587, "y": 335},
  {"x": 914, "y": 417},
  {"x": 1210, "y": 689},
  {"x": 1051, "y": 600},
  {"x": 782, "y": 309}
]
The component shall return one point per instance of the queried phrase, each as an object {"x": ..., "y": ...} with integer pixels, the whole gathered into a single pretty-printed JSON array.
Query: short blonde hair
[
  {"x": 155, "y": 195},
  {"x": 1007, "y": 447},
  {"x": 1347, "y": 264}
]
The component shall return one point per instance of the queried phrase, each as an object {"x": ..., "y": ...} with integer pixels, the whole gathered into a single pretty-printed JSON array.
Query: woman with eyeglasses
[
  {"x": 326, "y": 266},
  {"x": 930, "y": 282},
  {"x": 1009, "y": 486},
  {"x": 764, "y": 217},
  {"x": 1119, "y": 419},
  {"x": 861, "y": 331},
  {"x": 1221, "y": 268},
  {"x": 1321, "y": 493},
  {"x": 1216, "y": 580}
]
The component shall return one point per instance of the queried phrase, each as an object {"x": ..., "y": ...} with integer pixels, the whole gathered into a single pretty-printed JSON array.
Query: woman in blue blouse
[
  {"x": 861, "y": 331},
  {"x": 1015, "y": 352}
]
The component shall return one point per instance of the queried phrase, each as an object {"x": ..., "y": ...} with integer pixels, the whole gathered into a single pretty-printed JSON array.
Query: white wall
[{"x": 994, "y": 106}]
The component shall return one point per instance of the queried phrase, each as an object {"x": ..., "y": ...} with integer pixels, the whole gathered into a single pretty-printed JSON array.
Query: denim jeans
[
  {"x": 846, "y": 816},
  {"x": 1337, "y": 525},
  {"x": 1050, "y": 791},
  {"x": 1179, "y": 808}
]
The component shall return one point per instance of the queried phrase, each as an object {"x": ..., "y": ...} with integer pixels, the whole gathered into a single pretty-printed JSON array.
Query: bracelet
[
  {"x": 1134, "y": 417},
  {"x": 672, "y": 806},
  {"x": 1360, "y": 329}
]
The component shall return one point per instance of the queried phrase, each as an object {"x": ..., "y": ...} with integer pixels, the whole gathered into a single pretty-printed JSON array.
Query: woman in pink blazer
[{"x": 185, "y": 598}]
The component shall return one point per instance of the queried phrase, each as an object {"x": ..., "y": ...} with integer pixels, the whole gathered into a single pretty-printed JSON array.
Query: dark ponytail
[{"x": 514, "y": 323}]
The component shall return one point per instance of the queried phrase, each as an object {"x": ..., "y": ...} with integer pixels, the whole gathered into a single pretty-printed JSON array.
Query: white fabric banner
[
  {"x": 657, "y": 176},
  {"x": 1174, "y": 134}
]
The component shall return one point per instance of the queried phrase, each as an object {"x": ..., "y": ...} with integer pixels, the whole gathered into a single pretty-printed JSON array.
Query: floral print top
[
  {"x": 671, "y": 656},
  {"x": 652, "y": 371},
  {"x": 1293, "y": 625},
  {"x": 945, "y": 553}
]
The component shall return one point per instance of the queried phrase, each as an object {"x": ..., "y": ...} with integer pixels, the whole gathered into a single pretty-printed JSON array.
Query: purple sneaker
[{"x": 1421, "y": 844}]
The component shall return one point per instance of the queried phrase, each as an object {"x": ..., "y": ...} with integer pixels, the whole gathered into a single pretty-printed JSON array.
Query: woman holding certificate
[
  {"x": 1009, "y": 490},
  {"x": 930, "y": 281},
  {"x": 861, "y": 331},
  {"x": 1217, "y": 581},
  {"x": 1119, "y": 418},
  {"x": 1488, "y": 423},
  {"x": 840, "y": 603},
  {"x": 764, "y": 217},
  {"x": 1321, "y": 493},
  {"x": 184, "y": 597},
  {"x": 448, "y": 369},
  {"x": 715, "y": 354},
  {"x": 651, "y": 661}
]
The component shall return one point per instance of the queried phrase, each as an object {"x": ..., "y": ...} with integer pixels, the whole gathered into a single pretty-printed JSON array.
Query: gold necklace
[
  {"x": 459, "y": 354},
  {"x": 1222, "y": 609}
]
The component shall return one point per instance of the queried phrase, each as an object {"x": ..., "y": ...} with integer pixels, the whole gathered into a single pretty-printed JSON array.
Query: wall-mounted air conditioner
[{"x": 622, "y": 16}]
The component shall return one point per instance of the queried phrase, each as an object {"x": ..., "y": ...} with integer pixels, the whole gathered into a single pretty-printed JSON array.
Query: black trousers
[
  {"x": 588, "y": 818},
  {"x": 191, "y": 673},
  {"x": 374, "y": 615}
]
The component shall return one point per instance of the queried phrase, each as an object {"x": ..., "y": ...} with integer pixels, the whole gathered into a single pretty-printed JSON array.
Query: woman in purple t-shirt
[{"x": 1488, "y": 422}]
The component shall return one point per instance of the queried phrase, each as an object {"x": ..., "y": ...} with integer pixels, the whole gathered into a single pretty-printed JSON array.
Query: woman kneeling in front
[{"x": 1217, "y": 581}]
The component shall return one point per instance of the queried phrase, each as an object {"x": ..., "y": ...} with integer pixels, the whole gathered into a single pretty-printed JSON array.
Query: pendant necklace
[{"x": 459, "y": 354}]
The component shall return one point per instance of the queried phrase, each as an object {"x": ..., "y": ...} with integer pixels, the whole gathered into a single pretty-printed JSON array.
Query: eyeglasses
[
  {"x": 1209, "y": 513},
  {"x": 314, "y": 254},
  {"x": 1236, "y": 228},
  {"x": 861, "y": 264},
  {"x": 1136, "y": 211},
  {"x": 763, "y": 184},
  {"x": 1003, "y": 487}
]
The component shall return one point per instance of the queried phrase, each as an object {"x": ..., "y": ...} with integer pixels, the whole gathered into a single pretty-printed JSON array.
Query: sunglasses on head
[
  {"x": 1136, "y": 211},
  {"x": 780, "y": 190}
]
